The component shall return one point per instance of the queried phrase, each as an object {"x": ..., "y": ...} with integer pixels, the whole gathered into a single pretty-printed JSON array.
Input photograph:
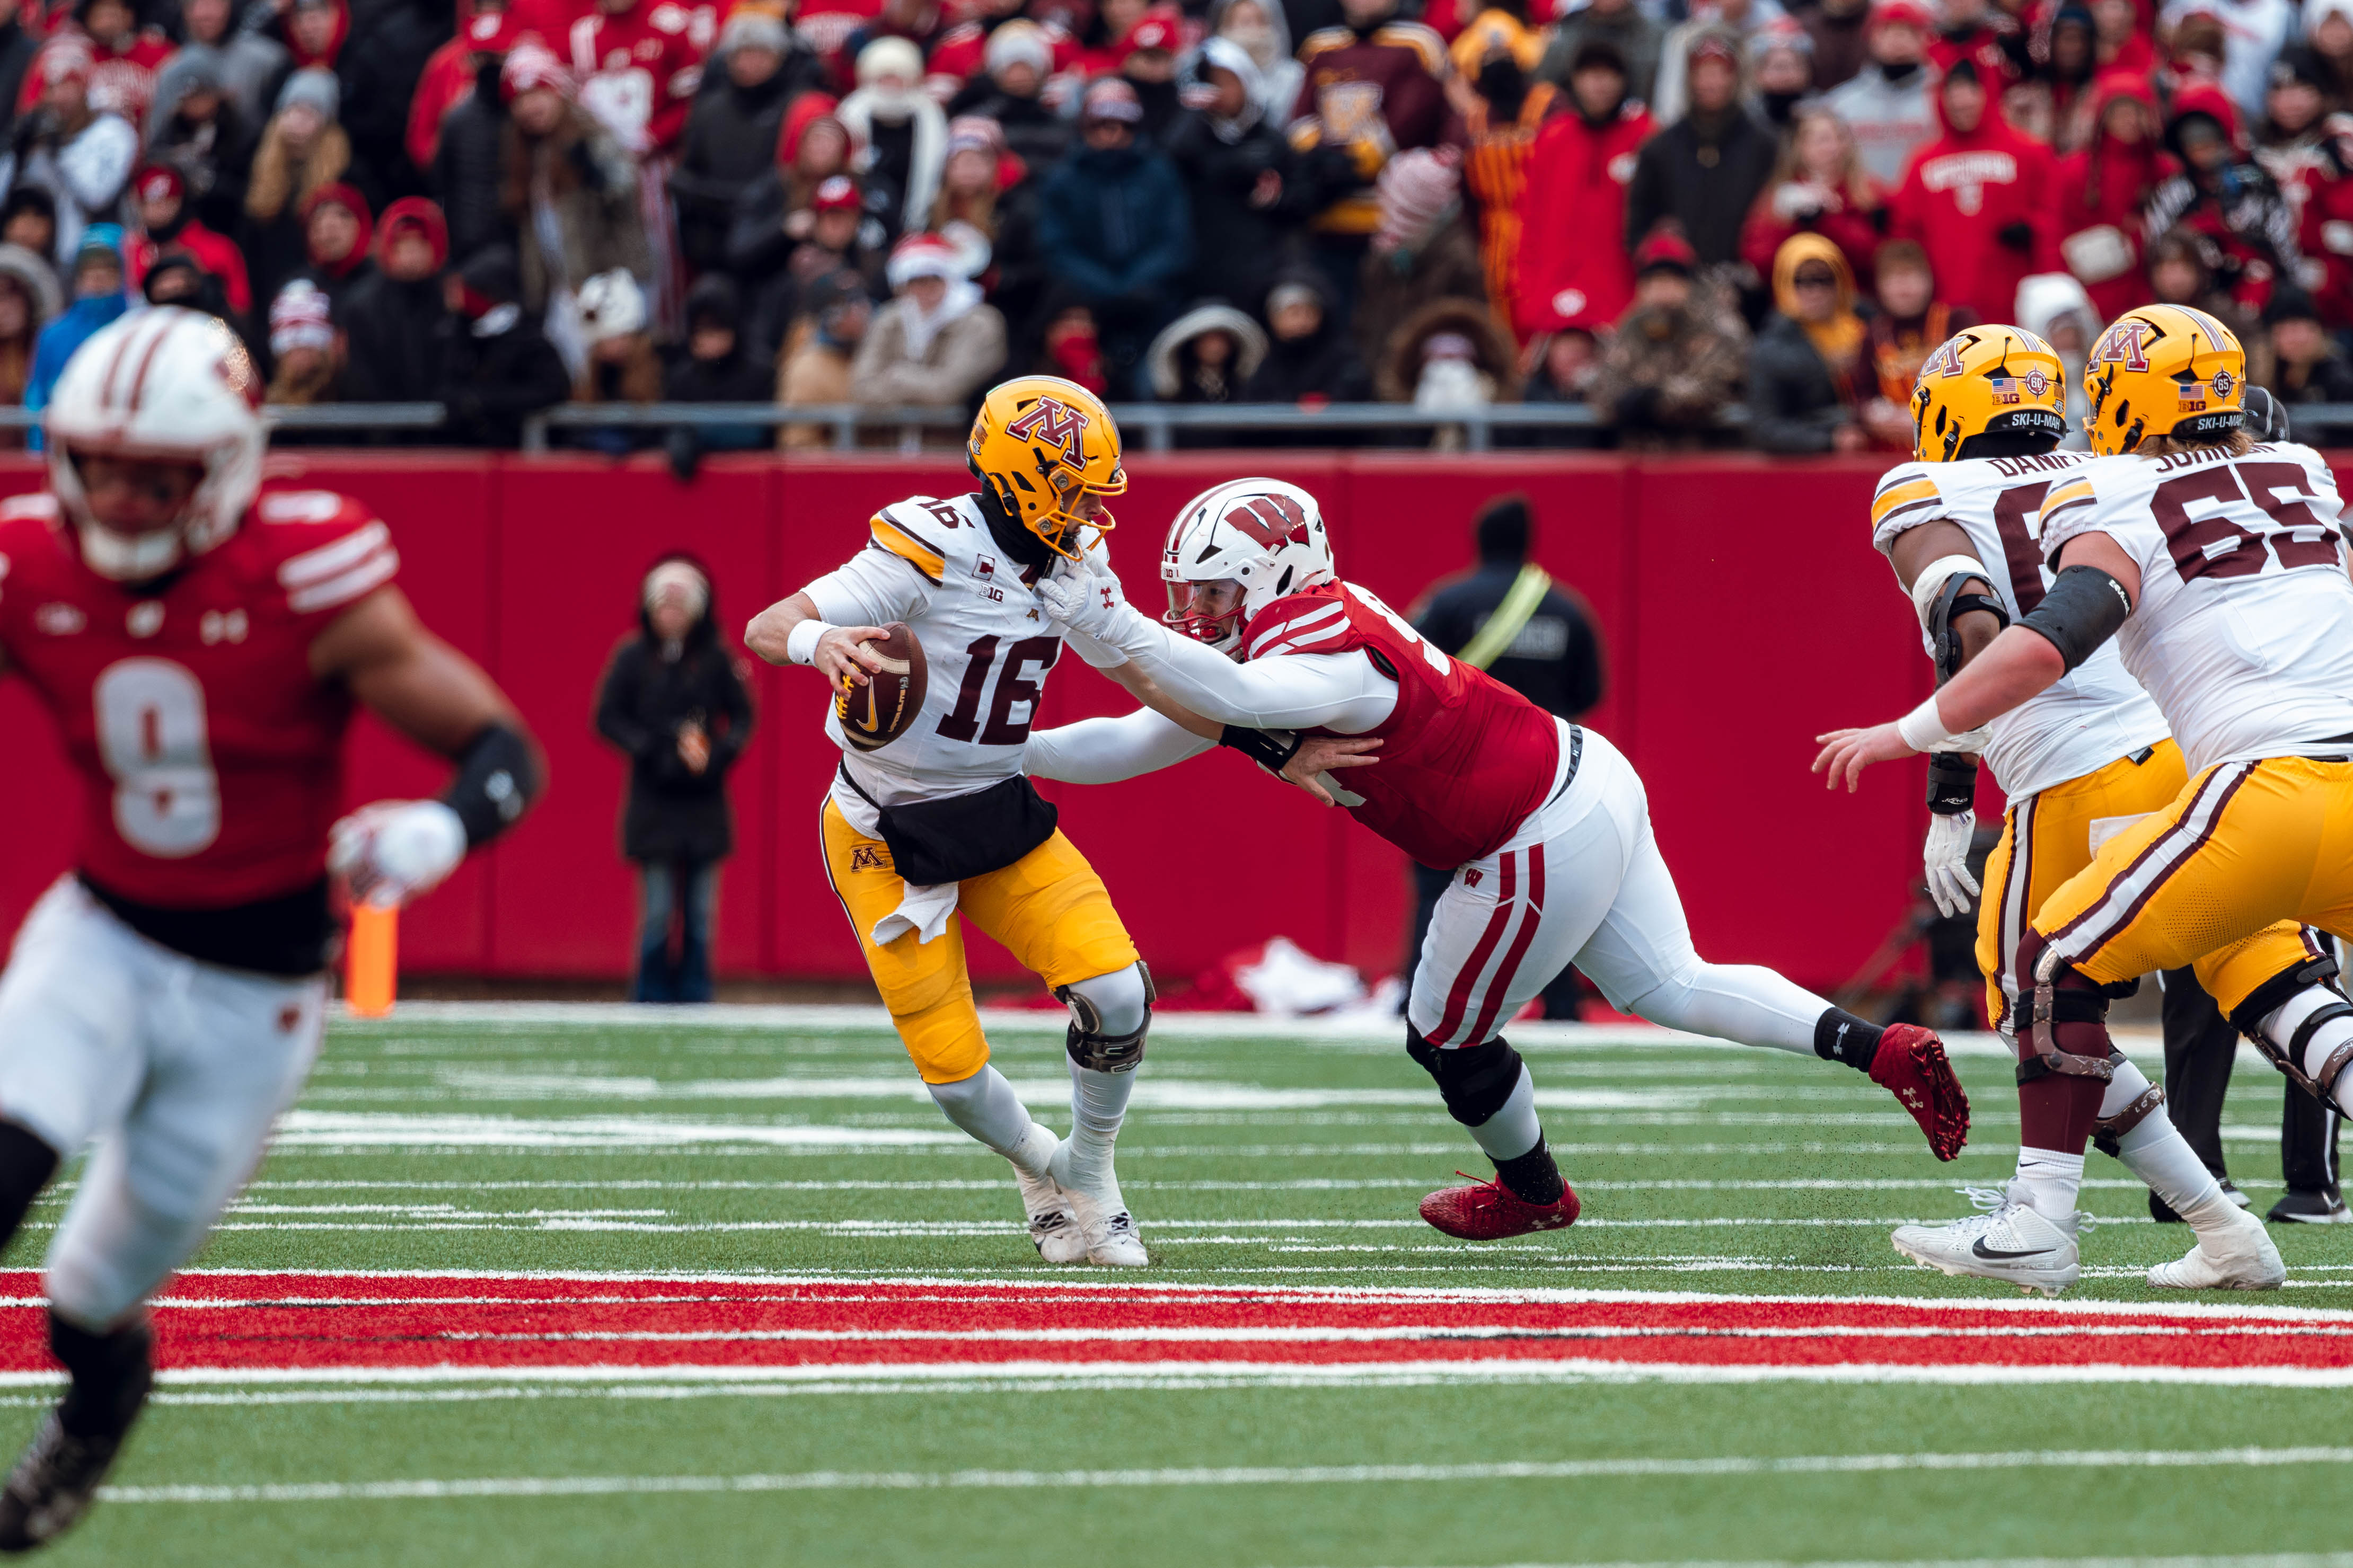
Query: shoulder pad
[
  {"x": 1422, "y": 40},
  {"x": 328, "y": 549},
  {"x": 915, "y": 531},
  {"x": 1908, "y": 490},
  {"x": 1286, "y": 624}
]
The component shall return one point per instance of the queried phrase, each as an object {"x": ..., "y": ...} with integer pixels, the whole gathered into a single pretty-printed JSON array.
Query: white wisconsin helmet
[
  {"x": 164, "y": 384},
  {"x": 1265, "y": 534}
]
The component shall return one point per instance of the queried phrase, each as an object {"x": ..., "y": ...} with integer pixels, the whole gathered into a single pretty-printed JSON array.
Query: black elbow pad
[
  {"x": 496, "y": 782},
  {"x": 2083, "y": 609}
]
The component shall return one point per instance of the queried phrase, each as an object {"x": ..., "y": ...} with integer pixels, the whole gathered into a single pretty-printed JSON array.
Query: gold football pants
[
  {"x": 1049, "y": 908},
  {"x": 2224, "y": 876}
]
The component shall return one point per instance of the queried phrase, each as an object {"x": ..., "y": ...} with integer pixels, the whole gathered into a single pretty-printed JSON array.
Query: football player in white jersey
[
  {"x": 2215, "y": 564},
  {"x": 2077, "y": 762},
  {"x": 941, "y": 820}
]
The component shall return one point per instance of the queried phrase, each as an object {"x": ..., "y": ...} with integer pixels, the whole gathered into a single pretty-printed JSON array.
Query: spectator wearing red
[
  {"x": 336, "y": 229},
  {"x": 389, "y": 315},
  {"x": 1979, "y": 32},
  {"x": 454, "y": 74},
  {"x": 961, "y": 52},
  {"x": 2123, "y": 34},
  {"x": 160, "y": 197},
  {"x": 2325, "y": 233},
  {"x": 123, "y": 60},
  {"x": 1566, "y": 274},
  {"x": 1819, "y": 187},
  {"x": 1978, "y": 199},
  {"x": 2102, "y": 193},
  {"x": 828, "y": 25},
  {"x": 2224, "y": 195},
  {"x": 1148, "y": 56},
  {"x": 637, "y": 70}
]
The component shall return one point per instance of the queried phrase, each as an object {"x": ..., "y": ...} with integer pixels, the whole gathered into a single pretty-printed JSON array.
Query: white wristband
[
  {"x": 1923, "y": 729},
  {"x": 800, "y": 643}
]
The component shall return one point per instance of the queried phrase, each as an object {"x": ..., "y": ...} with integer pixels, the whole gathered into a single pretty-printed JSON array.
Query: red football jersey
[
  {"x": 211, "y": 758},
  {"x": 1464, "y": 758},
  {"x": 638, "y": 71}
]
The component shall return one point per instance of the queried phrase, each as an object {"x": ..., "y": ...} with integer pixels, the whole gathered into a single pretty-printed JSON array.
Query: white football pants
[
  {"x": 176, "y": 1068},
  {"x": 1582, "y": 882}
]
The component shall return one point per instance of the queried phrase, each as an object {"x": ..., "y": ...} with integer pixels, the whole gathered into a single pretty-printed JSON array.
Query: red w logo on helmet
[
  {"x": 1056, "y": 424},
  {"x": 1273, "y": 521}
]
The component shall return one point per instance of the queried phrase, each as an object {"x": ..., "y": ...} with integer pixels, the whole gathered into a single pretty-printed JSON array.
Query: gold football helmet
[
  {"x": 1986, "y": 380},
  {"x": 1039, "y": 443},
  {"x": 2163, "y": 370}
]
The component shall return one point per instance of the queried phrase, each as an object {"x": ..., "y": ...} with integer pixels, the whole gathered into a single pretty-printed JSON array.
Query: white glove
[
  {"x": 1085, "y": 598},
  {"x": 393, "y": 851},
  {"x": 1946, "y": 857}
]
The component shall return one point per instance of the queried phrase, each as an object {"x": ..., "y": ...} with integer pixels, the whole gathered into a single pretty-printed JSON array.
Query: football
[{"x": 878, "y": 712}]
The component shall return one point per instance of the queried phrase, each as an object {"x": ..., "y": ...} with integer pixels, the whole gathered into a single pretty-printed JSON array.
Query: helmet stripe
[{"x": 139, "y": 381}]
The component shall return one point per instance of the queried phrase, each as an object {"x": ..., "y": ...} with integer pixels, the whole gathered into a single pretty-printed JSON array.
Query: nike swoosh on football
[{"x": 1982, "y": 1250}]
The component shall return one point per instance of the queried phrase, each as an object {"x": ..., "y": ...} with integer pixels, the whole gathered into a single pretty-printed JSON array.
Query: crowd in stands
[{"x": 1654, "y": 207}]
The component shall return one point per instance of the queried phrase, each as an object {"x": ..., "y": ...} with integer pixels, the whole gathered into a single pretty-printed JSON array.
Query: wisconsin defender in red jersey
[
  {"x": 202, "y": 648},
  {"x": 1545, "y": 823}
]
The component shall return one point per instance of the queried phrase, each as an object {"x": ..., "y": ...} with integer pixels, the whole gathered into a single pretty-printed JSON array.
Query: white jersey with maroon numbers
[
  {"x": 987, "y": 647},
  {"x": 210, "y": 756},
  {"x": 2243, "y": 628},
  {"x": 2094, "y": 714}
]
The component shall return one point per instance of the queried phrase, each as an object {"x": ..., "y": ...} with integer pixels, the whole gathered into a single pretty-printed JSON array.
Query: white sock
[
  {"x": 2279, "y": 1025},
  {"x": 2158, "y": 1153},
  {"x": 1098, "y": 1105},
  {"x": 2050, "y": 1180},
  {"x": 985, "y": 1105},
  {"x": 1514, "y": 1130}
]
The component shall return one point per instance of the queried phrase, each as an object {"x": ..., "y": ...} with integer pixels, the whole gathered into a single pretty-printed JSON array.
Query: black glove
[{"x": 2016, "y": 234}]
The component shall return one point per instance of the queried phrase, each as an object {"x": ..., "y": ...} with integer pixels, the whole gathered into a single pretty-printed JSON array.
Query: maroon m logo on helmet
[
  {"x": 1273, "y": 521},
  {"x": 1055, "y": 423}
]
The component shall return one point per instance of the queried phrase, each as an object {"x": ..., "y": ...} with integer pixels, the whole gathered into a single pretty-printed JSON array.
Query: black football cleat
[
  {"x": 2295, "y": 1207},
  {"x": 53, "y": 1485}
]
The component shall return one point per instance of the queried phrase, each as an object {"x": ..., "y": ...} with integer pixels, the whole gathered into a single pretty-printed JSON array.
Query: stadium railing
[{"x": 1151, "y": 426}]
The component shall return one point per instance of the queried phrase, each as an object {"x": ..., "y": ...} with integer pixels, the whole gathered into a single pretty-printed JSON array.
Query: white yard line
[{"x": 1231, "y": 1475}]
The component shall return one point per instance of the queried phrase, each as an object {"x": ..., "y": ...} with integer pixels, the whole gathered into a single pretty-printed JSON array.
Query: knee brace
[
  {"x": 2248, "y": 1017},
  {"x": 1089, "y": 1044},
  {"x": 1474, "y": 1081},
  {"x": 2108, "y": 1132},
  {"x": 2067, "y": 1016}
]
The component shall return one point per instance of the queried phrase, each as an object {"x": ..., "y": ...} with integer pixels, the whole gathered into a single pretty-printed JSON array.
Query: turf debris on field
[{"x": 501, "y": 1261}]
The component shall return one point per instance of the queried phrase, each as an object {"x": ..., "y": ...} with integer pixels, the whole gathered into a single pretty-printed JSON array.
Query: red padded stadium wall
[{"x": 1741, "y": 608}]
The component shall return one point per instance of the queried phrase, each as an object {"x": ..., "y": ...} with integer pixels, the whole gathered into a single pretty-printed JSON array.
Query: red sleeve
[
  {"x": 1907, "y": 217},
  {"x": 681, "y": 76},
  {"x": 328, "y": 551},
  {"x": 437, "y": 94},
  {"x": 2040, "y": 166},
  {"x": 1762, "y": 234}
]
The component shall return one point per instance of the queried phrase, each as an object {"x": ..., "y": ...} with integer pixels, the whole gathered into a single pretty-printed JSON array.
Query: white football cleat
[
  {"x": 2010, "y": 1241},
  {"x": 2238, "y": 1256},
  {"x": 1112, "y": 1240},
  {"x": 1053, "y": 1225}
]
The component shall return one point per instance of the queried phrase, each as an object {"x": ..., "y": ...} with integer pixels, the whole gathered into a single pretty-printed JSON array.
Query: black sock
[
  {"x": 1840, "y": 1037},
  {"x": 1531, "y": 1176},
  {"x": 26, "y": 1165},
  {"x": 112, "y": 1373}
]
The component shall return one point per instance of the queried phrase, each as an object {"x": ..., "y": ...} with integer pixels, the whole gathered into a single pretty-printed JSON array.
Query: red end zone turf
[{"x": 347, "y": 1325}]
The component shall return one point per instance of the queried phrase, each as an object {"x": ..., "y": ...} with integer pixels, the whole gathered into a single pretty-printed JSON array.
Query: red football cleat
[
  {"x": 1911, "y": 1065},
  {"x": 1490, "y": 1211}
]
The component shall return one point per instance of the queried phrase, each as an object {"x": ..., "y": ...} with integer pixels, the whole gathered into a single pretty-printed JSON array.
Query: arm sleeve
[
  {"x": 1338, "y": 691},
  {"x": 872, "y": 588},
  {"x": 1105, "y": 751}
]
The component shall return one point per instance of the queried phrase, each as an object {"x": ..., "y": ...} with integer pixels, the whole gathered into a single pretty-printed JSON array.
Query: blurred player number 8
[
  {"x": 152, "y": 738},
  {"x": 2208, "y": 546}
]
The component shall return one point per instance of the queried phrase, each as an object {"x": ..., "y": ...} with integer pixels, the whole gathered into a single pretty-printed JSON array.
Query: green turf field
[{"x": 575, "y": 1143}]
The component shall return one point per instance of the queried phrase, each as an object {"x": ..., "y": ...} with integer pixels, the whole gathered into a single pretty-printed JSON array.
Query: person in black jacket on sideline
[
  {"x": 674, "y": 702},
  {"x": 1552, "y": 657}
]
